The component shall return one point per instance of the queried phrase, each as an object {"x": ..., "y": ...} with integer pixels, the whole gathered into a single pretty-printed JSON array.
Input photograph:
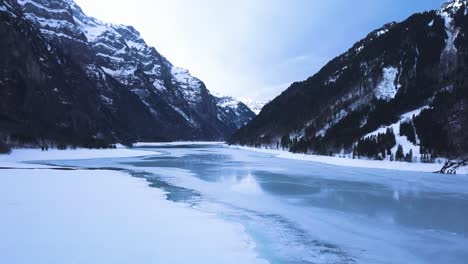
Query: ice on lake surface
[{"x": 306, "y": 212}]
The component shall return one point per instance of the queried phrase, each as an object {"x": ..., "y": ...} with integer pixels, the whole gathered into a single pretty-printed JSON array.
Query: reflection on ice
[
  {"x": 396, "y": 195},
  {"x": 245, "y": 185}
]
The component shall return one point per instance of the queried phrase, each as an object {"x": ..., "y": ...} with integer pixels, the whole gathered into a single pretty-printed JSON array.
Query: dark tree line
[
  {"x": 407, "y": 129},
  {"x": 295, "y": 145},
  {"x": 377, "y": 146},
  {"x": 400, "y": 154},
  {"x": 21, "y": 140},
  {"x": 4, "y": 148}
]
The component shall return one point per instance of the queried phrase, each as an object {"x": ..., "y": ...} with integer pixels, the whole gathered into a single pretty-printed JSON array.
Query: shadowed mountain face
[
  {"x": 67, "y": 77},
  {"x": 233, "y": 112},
  {"x": 419, "y": 64}
]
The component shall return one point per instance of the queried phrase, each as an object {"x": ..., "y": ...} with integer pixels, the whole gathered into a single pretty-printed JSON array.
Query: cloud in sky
[{"x": 253, "y": 48}]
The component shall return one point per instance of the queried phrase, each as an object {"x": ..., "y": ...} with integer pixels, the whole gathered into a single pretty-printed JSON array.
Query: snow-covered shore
[
  {"x": 18, "y": 157},
  {"x": 176, "y": 143},
  {"x": 103, "y": 216},
  {"x": 349, "y": 162}
]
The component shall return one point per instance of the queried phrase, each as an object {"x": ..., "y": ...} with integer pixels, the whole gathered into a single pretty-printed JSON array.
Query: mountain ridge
[
  {"x": 137, "y": 94},
  {"x": 396, "y": 69}
]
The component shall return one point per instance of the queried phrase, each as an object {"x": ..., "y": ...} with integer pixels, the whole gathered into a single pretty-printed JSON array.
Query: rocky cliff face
[
  {"x": 414, "y": 72},
  {"x": 69, "y": 77}
]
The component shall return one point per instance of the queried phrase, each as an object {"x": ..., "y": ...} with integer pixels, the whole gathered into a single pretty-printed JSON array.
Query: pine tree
[
  {"x": 409, "y": 156},
  {"x": 399, "y": 155},
  {"x": 407, "y": 129},
  {"x": 285, "y": 142}
]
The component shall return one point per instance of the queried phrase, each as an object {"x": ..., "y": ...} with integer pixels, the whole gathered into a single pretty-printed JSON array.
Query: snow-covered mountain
[
  {"x": 99, "y": 80},
  {"x": 233, "y": 111},
  {"x": 254, "y": 105},
  {"x": 404, "y": 84}
]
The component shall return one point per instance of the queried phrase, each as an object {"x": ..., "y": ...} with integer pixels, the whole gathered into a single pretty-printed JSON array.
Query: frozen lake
[{"x": 306, "y": 212}]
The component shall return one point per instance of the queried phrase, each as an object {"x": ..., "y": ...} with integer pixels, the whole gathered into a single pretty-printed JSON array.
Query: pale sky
[{"x": 253, "y": 48}]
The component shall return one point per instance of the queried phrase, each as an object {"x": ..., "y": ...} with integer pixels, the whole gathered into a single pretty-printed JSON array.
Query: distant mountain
[
  {"x": 233, "y": 112},
  {"x": 255, "y": 106},
  {"x": 400, "y": 93},
  {"x": 66, "y": 77}
]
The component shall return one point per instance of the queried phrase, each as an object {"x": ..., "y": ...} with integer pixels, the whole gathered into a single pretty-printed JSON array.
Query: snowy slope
[
  {"x": 254, "y": 105},
  {"x": 402, "y": 139}
]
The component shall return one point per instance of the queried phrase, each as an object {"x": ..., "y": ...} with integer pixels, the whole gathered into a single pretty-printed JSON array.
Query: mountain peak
[
  {"x": 232, "y": 110},
  {"x": 453, "y": 6}
]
